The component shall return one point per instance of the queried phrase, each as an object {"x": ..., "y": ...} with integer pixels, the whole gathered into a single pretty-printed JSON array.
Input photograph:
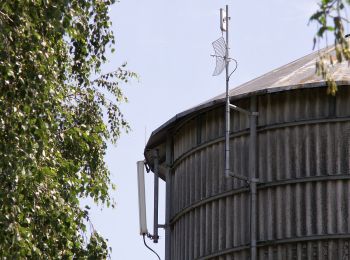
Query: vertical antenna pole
[
  {"x": 253, "y": 218},
  {"x": 156, "y": 196},
  {"x": 227, "y": 116},
  {"x": 253, "y": 177},
  {"x": 168, "y": 155}
]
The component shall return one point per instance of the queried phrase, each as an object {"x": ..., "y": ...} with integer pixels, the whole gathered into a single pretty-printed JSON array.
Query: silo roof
[{"x": 295, "y": 75}]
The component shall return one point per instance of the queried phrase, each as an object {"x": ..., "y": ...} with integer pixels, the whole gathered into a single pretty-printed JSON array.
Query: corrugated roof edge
[{"x": 158, "y": 137}]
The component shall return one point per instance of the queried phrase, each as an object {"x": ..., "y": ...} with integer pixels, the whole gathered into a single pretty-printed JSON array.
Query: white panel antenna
[{"x": 142, "y": 200}]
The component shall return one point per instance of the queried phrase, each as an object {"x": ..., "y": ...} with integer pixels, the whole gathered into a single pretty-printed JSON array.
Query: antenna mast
[
  {"x": 224, "y": 27},
  {"x": 221, "y": 47},
  {"x": 223, "y": 60}
]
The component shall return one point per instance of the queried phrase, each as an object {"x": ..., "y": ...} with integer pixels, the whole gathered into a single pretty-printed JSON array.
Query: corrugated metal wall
[{"x": 304, "y": 169}]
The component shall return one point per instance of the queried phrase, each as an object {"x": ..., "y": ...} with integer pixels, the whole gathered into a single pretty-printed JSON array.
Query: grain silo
[{"x": 303, "y": 166}]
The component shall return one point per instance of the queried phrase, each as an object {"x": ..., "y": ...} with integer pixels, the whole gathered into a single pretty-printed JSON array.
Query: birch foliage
[{"x": 53, "y": 102}]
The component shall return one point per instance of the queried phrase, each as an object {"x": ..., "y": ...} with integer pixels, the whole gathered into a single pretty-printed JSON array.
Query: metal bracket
[
  {"x": 238, "y": 176},
  {"x": 148, "y": 168},
  {"x": 256, "y": 180},
  {"x": 244, "y": 111},
  {"x": 153, "y": 237},
  {"x": 244, "y": 178},
  {"x": 223, "y": 57}
]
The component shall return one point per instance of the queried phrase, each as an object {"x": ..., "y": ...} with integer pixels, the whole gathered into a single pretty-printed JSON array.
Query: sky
[{"x": 168, "y": 43}]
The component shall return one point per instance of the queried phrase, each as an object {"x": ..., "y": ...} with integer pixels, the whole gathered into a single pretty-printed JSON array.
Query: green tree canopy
[
  {"x": 330, "y": 18},
  {"x": 53, "y": 102}
]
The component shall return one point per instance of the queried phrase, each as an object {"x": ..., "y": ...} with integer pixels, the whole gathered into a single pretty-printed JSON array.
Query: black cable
[
  {"x": 144, "y": 241},
  {"x": 236, "y": 62}
]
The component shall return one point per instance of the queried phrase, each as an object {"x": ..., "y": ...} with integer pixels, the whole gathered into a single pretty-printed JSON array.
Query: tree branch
[{"x": 8, "y": 17}]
